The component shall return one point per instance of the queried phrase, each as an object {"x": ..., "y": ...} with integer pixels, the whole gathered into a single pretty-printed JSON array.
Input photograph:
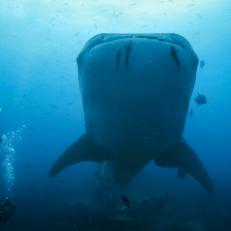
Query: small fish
[
  {"x": 202, "y": 64},
  {"x": 200, "y": 99},
  {"x": 173, "y": 53},
  {"x": 125, "y": 200}
]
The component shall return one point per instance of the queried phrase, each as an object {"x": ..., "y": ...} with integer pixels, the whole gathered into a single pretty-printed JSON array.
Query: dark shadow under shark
[{"x": 136, "y": 90}]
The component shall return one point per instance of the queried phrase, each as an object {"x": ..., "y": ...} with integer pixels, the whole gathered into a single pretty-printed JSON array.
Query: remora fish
[{"x": 135, "y": 115}]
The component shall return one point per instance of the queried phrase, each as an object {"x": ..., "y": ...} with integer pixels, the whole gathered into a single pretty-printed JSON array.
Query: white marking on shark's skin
[{"x": 135, "y": 94}]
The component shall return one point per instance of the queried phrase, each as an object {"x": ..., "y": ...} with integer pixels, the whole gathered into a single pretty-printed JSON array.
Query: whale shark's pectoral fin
[
  {"x": 84, "y": 149},
  {"x": 181, "y": 156}
]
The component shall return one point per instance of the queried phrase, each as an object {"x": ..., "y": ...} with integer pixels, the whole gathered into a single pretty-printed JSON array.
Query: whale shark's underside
[{"x": 136, "y": 90}]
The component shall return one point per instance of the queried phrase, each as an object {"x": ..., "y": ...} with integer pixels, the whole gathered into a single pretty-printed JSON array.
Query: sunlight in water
[{"x": 9, "y": 141}]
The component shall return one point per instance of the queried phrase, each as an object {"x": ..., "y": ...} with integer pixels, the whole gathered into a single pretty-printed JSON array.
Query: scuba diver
[{"x": 7, "y": 209}]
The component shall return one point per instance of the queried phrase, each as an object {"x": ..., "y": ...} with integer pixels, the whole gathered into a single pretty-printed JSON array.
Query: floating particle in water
[
  {"x": 191, "y": 112},
  {"x": 27, "y": 166},
  {"x": 53, "y": 106},
  {"x": 3, "y": 137},
  {"x": 61, "y": 181}
]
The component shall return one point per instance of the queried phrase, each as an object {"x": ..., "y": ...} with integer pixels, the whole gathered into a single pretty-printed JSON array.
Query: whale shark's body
[{"x": 136, "y": 90}]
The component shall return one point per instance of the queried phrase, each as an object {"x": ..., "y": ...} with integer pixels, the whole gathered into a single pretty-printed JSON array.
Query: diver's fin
[
  {"x": 84, "y": 149},
  {"x": 181, "y": 156}
]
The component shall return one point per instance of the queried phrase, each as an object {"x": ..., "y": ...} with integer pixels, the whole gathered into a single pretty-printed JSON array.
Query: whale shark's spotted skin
[{"x": 136, "y": 90}]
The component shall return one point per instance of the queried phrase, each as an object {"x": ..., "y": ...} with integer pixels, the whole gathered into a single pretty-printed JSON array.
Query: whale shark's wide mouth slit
[{"x": 102, "y": 39}]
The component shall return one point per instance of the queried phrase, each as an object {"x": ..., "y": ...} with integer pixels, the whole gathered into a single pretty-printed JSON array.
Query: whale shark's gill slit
[
  {"x": 118, "y": 56},
  {"x": 128, "y": 49},
  {"x": 173, "y": 53}
]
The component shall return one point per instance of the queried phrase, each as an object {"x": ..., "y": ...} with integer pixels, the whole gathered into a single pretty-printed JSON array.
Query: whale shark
[{"x": 135, "y": 91}]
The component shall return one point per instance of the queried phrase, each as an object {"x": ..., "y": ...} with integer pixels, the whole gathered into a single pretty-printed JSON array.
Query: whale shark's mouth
[{"x": 101, "y": 39}]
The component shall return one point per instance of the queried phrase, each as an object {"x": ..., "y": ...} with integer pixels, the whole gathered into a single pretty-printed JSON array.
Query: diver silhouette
[{"x": 7, "y": 209}]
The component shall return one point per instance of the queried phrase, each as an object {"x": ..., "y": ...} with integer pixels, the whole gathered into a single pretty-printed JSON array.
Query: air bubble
[{"x": 8, "y": 153}]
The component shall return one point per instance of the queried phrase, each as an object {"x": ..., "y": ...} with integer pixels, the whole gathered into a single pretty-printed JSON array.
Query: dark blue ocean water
[{"x": 41, "y": 113}]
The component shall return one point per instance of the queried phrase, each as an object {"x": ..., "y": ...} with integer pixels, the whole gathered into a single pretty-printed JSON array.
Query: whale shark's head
[{"x": 137, "y": 85}]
